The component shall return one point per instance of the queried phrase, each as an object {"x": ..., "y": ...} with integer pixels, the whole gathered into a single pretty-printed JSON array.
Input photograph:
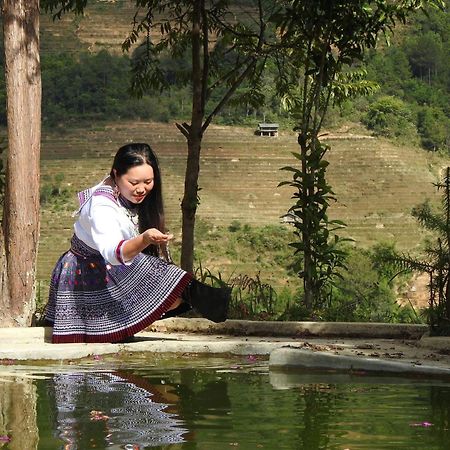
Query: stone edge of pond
[
  {"x": 291, "y": 358},
  {"x": 254, "y": 328},
  {"x": 293, "y": 329},
  {"x": 32, "y": 344}
]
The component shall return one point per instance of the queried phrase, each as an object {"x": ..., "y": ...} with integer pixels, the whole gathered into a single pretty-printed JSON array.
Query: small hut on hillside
[{"x": 267, "y": 129}]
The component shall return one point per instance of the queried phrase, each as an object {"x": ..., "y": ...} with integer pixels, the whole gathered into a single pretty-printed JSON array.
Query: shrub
[
  {"x": 436, "y": 260},
  {"x": 365, "y": 292},
  {"x": 434, "y": 128},
  {"x": 390, "y": 117},
  {"x": 53, "y": 193}
]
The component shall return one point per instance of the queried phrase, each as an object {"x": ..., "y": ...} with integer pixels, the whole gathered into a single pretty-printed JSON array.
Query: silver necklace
[{"x": 131, "y": 213}]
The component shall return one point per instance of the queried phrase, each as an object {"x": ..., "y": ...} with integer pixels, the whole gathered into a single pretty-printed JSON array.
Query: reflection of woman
[
  {"x": 113, "y": 281},
  {"x": 108, "y": 410}
]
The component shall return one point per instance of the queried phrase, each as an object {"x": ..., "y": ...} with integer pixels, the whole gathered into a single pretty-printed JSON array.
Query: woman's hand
[
  {"x": 133, "y": 246},
  {"x": 154, "y": 236}
]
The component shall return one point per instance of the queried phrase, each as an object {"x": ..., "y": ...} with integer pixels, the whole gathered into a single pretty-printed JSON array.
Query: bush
[
  {"x": 434, "y": 128},
  {"x": 365, "y": 292},
  {"x": 252, "y": 299},
  {"x": 54, "y": 194},
  {"x": 390, "y": 117}
]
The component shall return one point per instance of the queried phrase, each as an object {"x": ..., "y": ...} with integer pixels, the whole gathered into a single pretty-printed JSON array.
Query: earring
[{"x": 116, "y": 192}]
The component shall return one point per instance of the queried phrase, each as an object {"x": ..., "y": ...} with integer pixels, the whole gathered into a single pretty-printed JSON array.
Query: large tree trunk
[{"x": 20, "y": 225}]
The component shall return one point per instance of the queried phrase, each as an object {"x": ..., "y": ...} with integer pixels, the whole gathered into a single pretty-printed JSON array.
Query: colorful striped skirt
[{"x": 93, "y": 301}]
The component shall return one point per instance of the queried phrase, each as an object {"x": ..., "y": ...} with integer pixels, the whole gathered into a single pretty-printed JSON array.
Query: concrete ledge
[
  {"x": 436, "y": 343},
  {"x": 25, "y": 335},
  {"x": 59, "y": 352},
  {"x": 254, "y": 328},
  {"x": 293, "y": 358},
  {"x": 255, "y": 338},
  {"x": 296, "y": 329}
]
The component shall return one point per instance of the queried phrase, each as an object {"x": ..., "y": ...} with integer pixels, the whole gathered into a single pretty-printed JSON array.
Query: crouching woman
[{"x": 114, "y": 281}]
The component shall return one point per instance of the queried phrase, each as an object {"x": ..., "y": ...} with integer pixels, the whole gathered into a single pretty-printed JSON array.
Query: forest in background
[{"x": 413, "y": 103}]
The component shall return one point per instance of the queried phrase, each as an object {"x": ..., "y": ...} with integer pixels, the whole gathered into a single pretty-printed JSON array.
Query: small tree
[
  {"x": 225, "y": 52},
  {"x": 390, "y": 117},
  {"x": 434, "y": 128},
  {"x": 322, "y": 41},
  {"x": 437, "y": 260}
]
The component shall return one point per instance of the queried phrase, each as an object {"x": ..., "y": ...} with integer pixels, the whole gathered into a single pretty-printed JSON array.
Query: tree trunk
[
  {"x": 306, "y": 238},
  {"x": 20, "y": 225},
  {"x": 189, "y": 204},
  {"x": 18, "y": 418},
  {"x": 194, "y": 138}
]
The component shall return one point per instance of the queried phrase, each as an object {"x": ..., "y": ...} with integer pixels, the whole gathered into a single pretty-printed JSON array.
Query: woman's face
[{"x": 136, "y": 183}]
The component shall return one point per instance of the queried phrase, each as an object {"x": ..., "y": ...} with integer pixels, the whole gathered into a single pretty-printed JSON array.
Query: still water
[{"x": 212, "y": 404}]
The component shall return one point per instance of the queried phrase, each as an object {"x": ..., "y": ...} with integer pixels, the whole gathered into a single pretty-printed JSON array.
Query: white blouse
[{"x": 104, "y": 224}]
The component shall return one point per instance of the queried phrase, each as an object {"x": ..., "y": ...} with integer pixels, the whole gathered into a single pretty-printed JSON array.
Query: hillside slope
[
  {"x": 104, "y": 26},
  {"x": 376, "y": 182}
]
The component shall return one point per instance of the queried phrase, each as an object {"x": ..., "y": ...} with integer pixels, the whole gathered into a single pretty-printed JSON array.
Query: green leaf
[{"x": 290, "y": 169}]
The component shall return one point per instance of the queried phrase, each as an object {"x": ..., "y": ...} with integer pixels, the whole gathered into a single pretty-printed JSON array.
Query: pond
[{"x": 190, "y": 402}]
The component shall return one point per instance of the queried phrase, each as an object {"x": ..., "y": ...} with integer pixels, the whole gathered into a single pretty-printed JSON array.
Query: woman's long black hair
[{"x": 151, "y": 210}]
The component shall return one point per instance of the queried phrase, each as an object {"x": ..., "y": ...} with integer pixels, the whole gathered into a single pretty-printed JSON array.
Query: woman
[{"x": 113, "y": 281}]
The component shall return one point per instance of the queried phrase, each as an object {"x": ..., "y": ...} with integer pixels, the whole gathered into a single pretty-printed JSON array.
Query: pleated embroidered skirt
[{"x": 93, "y": 301}]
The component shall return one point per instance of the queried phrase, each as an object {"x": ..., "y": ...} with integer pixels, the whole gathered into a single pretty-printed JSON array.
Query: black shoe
[
  {"x": 126, "y": 340},
  {"x": 212, "y": 303},
  {"x": 181, "y": 309}
]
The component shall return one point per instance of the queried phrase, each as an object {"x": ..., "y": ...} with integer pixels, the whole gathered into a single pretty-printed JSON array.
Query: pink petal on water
[
  {"x": 5, "y": 438},
  {"x": 421, "y": 424},
  {"x": 251, "y": 358},
  {"x": 97, "y": 357}
]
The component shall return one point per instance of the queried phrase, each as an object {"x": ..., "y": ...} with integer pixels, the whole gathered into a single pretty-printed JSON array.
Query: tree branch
[
  {"x": 205, "y": 68},
  {"x": 229, "y": 74},
  {"x": 232, "y": 30},
  {"x": 185, "y": 128},
  {"x": 251, "y": 65},
  {"x": 228, "y": 94}
]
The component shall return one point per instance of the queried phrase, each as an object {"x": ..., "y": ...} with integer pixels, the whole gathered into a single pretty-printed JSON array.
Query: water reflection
[
  {"x": 18, "y": 429},
  {"x": 440, "y": 405},
  {"x": 223, "y": 407},
  {"x": 374, "y": 412},
  {"x": 113, "y": 410}
]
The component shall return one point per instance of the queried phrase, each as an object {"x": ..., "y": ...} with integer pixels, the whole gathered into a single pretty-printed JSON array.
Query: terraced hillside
[
  {"x": 376, "y": 182},
  {"x": 104, "y": 26}
]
